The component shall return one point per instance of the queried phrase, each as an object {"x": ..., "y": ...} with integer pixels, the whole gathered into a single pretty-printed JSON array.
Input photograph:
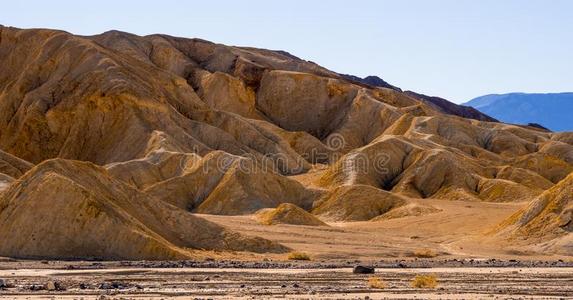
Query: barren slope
[
  {"x": 68, "y": 209},
  {"x": 547, "y": 222},
  {"x": 197, "y": 127}
]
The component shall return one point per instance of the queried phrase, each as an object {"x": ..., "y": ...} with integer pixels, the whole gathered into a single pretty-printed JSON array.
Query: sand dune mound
[
  {"x": 287, "y": 213},
  {"x": 355, "y": 203},
  {"x": 548, "y": 220},
  {"x": 79, "y": 211}
]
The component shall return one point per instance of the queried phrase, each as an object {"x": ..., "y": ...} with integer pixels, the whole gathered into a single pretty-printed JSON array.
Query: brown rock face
[{"x": 110, "y": 143}]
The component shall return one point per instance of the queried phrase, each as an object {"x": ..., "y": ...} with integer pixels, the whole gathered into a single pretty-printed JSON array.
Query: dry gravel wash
[{"x": 338, "y": 283}]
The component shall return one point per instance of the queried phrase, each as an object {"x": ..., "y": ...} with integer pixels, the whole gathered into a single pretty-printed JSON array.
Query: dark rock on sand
[{"x": 363, "y": 270}]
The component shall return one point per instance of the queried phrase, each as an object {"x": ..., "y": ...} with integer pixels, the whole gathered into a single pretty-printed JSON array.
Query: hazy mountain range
[{"x": 552, "y": 111}]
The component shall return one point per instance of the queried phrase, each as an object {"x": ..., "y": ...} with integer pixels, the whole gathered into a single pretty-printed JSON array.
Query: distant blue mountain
[{"x": 553, "y": 111}]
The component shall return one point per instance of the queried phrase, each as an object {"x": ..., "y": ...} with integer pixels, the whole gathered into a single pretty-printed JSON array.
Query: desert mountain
[
  {"x": 70, "y": 209},
  {"x": 549, "y": 110},
  {"x": 448, "y": 107},
  {"x": 152, "y": 129},
  {"x": 548, "y": 220}
]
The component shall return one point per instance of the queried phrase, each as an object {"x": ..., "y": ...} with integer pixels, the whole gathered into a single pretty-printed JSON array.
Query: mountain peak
[{"x": 550, "y": 110}]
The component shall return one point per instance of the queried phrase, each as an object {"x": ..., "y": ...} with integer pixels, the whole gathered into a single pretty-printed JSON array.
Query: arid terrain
[
  {"x": 456, "y": 279},
  {"x": 118, "y": 148}
]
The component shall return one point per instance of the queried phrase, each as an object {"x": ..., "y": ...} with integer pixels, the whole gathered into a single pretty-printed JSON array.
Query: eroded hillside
[{"x": 118, "y": 135}]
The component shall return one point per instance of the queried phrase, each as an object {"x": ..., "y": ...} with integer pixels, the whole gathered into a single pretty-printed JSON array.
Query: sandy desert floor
[
  {"x": 456, "y": 231},
  {"x": 467, "y": 265},
  {"x": 248, "y": 283}
]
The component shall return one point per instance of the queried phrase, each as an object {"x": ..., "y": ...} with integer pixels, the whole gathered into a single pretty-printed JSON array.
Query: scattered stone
[
  {"x": 54, "y": 286},
  {"x": 51, "y": 286},
  {"x": 363, "y": 270},
  {"x": 36, "y": 287},
  {"x": 105, "y": 286},
  {"x": 112, "y": 285}
]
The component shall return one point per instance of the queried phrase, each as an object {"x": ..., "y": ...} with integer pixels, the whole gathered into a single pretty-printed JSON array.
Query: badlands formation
[{"x": 119, "y": 146}]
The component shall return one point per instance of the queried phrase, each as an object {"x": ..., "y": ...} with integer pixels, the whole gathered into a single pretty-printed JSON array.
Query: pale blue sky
[{"x": 453, "y": 49}]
